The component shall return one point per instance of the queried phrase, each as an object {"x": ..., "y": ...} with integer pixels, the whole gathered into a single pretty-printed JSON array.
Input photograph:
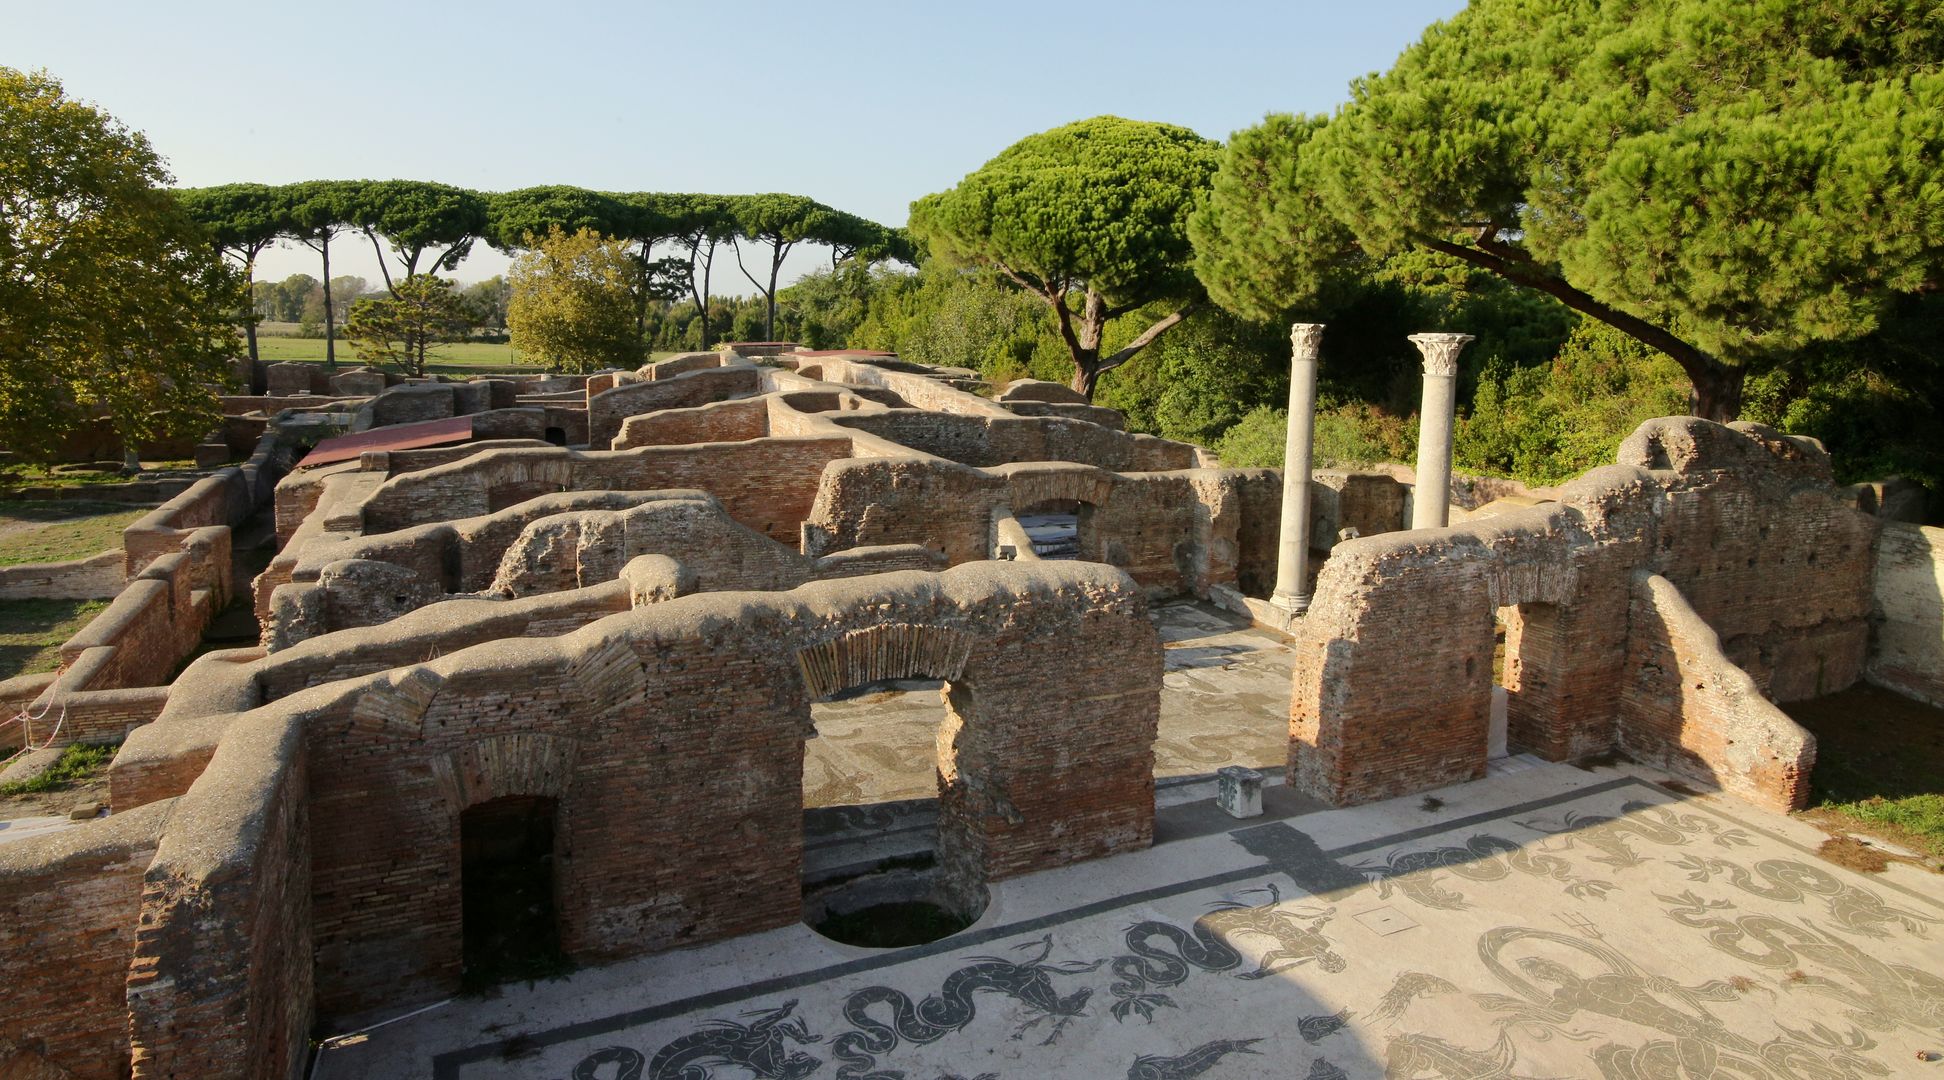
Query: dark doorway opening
[
  {"x": 557, "y": 436},
  {"x": 506, "y": 868}
]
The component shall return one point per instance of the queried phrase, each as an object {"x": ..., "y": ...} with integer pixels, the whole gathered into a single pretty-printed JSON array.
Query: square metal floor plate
[{"x": 1385, "y": 921}]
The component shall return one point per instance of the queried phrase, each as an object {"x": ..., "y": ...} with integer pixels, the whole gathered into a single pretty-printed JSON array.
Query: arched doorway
[
  {"x": 508, "y": 918},
  {"x": 885, "y": 721}
]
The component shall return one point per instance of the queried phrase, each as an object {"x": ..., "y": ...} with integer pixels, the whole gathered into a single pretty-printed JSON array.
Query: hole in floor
[{"x": 901, "y": 903}]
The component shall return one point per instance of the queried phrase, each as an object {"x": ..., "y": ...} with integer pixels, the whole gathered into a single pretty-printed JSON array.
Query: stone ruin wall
[
  {"x": 1769, "y": 565},
  {"x": 1908, "y": 612},
  {"x": 375, "y": 768},
  {"x": 69, "y": 906}
]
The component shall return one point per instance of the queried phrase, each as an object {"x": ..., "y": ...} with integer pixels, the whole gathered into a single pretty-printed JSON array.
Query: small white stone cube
[{"x": 1238, "y": 791}]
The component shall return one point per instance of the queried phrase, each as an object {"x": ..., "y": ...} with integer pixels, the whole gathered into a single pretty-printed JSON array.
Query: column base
[{"x": 1291, "y": 603}]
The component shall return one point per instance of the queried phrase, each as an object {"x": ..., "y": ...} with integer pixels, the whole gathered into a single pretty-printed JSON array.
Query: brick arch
[
  {"x": 1088, "y": 485},
  {"x": 886, "y": 651},
  {"x": 526, "y": 763}
]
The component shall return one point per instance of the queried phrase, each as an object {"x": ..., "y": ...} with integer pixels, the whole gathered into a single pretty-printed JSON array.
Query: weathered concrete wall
[
  {"x": 1686, "y": 707},
  {"x": 574, "y": 550},
  {"x": 1756, "y": 536},
  {"x": 1092, "y": 414},
  {"x": 1393, "y": 671},
  {"x": 1907, "y": 651},
  {"x": 69, "y": 906}
]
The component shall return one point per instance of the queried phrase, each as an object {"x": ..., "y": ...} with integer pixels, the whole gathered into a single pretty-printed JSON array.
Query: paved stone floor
[
  {"x": 1543, "y": 922},
  {"x": 1224, "y": 701}
]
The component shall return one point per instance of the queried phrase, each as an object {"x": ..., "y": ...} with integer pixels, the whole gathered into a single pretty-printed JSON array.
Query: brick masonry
[{"x": 1740, "y": 525}]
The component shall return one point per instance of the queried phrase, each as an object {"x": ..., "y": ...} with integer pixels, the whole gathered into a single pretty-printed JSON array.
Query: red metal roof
[
  {"x": 396, "y": 437},
  {"x": 840, "y": 352}
]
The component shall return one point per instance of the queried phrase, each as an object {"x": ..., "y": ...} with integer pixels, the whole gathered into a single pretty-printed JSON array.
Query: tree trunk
[
  {"x": 330, "y": 322},
  {"x": 1716, "y": 393},
  {"x": 249, "y": 308},
  {"x": 776, "y": 266},
  {"x": 1083, "y": 341}
]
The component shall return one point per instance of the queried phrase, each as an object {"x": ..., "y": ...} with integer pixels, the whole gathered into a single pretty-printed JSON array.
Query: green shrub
[{"x": 1551, "y": 422}]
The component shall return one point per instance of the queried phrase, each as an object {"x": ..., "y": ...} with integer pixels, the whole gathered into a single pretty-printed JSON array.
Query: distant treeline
[{"x": 420, "y": 226}]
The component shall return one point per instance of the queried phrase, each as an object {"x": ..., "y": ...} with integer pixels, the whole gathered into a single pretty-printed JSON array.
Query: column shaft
[
  {"x": 1292, "y": 553},
  {"x": 1431, "y": 497}
]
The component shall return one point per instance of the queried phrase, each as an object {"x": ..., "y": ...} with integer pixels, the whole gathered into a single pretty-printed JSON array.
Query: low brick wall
[
  {"x": 766, "y": 484},
  {"x": 96, "y": 577},
  {"x": 70, "y": 903},
  {"x": 1687, "y": 708},
  {"x": 1907, "y": 652},
  {"x": 987, "y": 441},
  {"x": 607, "y": 409}
]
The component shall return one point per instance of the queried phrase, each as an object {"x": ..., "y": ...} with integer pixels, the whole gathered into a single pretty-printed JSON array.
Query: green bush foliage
[{"x": 1551, "y": 422}]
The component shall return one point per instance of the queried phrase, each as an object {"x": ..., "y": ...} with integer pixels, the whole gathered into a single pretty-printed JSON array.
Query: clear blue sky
[{"x": 864, "y": 106}]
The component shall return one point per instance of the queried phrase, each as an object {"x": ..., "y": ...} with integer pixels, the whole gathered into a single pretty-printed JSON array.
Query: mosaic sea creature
[
  {"x": 1409, "y": 986},
  {"x": 938, "y": 1015},
  {"x": 1854, "y": 907},
  {"x": 1314, "y": 1029},
  {"x": 1298, "y": 937},
  {"x": 1193, "y": 1063},
  {"x": 1484, "y": 857},
  {"x": 758, "y": 1047}
]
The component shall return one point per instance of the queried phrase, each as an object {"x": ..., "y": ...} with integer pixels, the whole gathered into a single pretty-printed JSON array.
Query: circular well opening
[{"x": 891, "y": 908}]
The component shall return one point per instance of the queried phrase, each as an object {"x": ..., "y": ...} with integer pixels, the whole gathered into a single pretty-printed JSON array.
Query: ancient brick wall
[
  {"x": 1755, "y": 535},
  {"x": 681, "y": 363},
  {"x": 213, "y": 500},
  {"x": 607, "y": 409},
  {"x": 767, "y": 484},
  {"x": 1685, "y": 706},
  {"x": 1161, "y": 528},
  {"x": 700, "y": 837},
  {"x": 1393, "y": 671},
  {"x": 96, "y": 577},
  {"x": 230, "y": 995},
  {"x": 286, "y": 379},
  {"x": 156, "y": 620},
  {"x": 918, "y": 391},
  {"x": 69, "y": 906},
  {"x": 1907, "y": 653},
  {"x": 718, "y": 421},
  {"x": 986, "y": 441}
]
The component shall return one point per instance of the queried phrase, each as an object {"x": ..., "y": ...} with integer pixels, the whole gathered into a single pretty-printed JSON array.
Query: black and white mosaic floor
[{"x": 1545, "y": 922}]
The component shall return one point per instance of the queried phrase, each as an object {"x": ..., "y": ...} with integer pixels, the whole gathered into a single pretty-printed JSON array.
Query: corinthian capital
[
  {"x": 1305, "y": 338},
  {"x": 1441, "y": 351}
]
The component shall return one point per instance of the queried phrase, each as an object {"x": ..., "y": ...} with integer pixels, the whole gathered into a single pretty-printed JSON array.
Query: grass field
[
  {"x": 38, "y": 532},
  {"x": 42, "y": 476},
  {"x": 273, "y": 350},
  {"x": 32, "y": 631}
]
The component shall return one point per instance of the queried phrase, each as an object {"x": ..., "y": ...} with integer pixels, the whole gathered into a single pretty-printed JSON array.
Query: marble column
[
  {"x": 1292, "y": 554},
  {"x": 1431, "y": 498}
]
